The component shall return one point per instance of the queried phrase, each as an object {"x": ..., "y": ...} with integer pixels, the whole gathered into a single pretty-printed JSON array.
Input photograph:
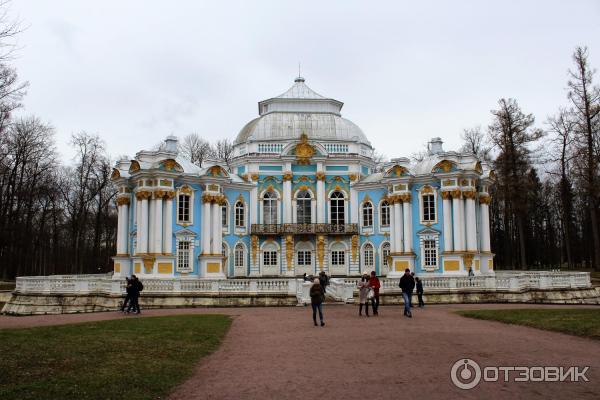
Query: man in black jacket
[
  {"x": 407, "y": 284},
  {"x": 136, "y": 288}
]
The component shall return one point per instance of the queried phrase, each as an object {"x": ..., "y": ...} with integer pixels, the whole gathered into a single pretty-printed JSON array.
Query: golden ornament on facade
[
  {"x": 304, "y": 150},
  {"x": 148, "y": 263},
  {"x": 456, "y": 194},
  {"x": 353, "y": 177},
  {"x": 159, "y": 194},
  {"x": 444, "y": 165},
  {"x": 213, "y": 188},
  {"x": 320, "y": 176},
  {"x": 165, "y": 182},
  {"x": 470, "y": 194},
  {"x": 143, "y": 194},
  {"x": 185, "y": 190},
  {"x": 287, "y": 176},
  {"x": 446, "y": 195},
  {"x": 245, "y": 177},
  {"x": 320, "y": 250},
  {"x": 478, "y": 168},
  {"x": 468, "y": 259},
  {"x": 169, "y": 164},
  {"x": 354, "y": 247},
  {"x": 169, "y": 194},
  {"x": 254, "y": 240},
  {"x": 134, "y": 167},
  {"x": 485, "y": 199},
  {"x": 397, "y": 170},
  {"x": 405, "y": 197},
  {"x": 115, "y": 174},
  {"x": 254, "y": 177},
  {"x": 448, "y": 182},
  {"x": 122, "y": 200},
  {"x": 289, "y": 250},
  {"x": 426, "y": 189}
]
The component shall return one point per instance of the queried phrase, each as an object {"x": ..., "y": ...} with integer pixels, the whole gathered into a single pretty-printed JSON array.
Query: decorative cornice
[
  {"x": 143, "y": 195},
  {"x": 213, "y": 198}
]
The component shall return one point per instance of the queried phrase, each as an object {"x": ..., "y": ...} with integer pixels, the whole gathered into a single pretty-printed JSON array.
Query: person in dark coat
[
  {"x": 316, "y": 301},
  {"x": 136, "y": 288},
  {"x": 323, "y": 280},
  {"x": 420, "y": 292},
  {"x": 407, "y": 284},
  {"x": 128, "y": 294},
  {"x": 374, "y": 284}
]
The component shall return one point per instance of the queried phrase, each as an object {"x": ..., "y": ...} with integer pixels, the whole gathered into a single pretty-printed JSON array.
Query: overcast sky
[{"x": 137, "y": 71}]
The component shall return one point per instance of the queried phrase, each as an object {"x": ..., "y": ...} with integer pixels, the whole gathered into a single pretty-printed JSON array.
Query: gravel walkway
[{"x": 277, "y": 353}]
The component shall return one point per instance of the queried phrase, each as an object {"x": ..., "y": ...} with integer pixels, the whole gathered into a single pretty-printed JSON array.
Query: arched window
[
  {"x": 270, "y": 207},
  {"x": 368, "y": 257},
  {"x": 367, "y": 209},
  {"x": 240, "y": 217},
  {"x": 238, "y": 259},
  {"x": 385, "y": 214},
  {"x": 183, "y": 208},
  {"x": 303, "y": 207},
  {"x": 385, "y": 254},
  {"x": 337, "y": 208},
  {"x": 224, "y": 215},
  {"x": 338, "y": 255}
]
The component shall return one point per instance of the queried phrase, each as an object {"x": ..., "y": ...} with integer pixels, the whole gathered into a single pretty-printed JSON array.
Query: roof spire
[{"x": 299, "y": 78}]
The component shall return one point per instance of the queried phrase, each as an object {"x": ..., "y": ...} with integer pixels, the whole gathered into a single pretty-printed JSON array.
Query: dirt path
[{"x": 276, "y": 353}]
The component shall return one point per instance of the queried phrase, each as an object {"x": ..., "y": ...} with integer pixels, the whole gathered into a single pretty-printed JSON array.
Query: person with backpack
[
  {"x": 420, "y": 292},
  {"x": 316, "y": 301},
  {"x": 136, "y": 288},
  {"x": 407, "y": 284},
  {"x": 128, "y": 290}
]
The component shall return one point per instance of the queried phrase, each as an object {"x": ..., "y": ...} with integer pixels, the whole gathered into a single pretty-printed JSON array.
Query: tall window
[
  {"x": 338, "y": 257},
  {"x": 367, "y": 215},
  {"x": 270, "y": 207},
  {"x": 303, "y": 207},
  {"x": 224, "y": 251},
  {"x": 183, "y": 208},
  {"x": 239, "y": 215},
  {"x": 385, "y": 254},
  {"x": 224, "y": 216},
  {"x": 428, "y": 207},
  {"x": 304, "y": 258},
  {"x": 336, "y": 207},
  {"x": 368, "y": 258},
  {"x": 270, "y": 258},
  {"x": 385, "y": 213},
  {"x": 238, "y": 259},
  {"x": 430, "y": 250},
  {"x": 183, "y": 255}
]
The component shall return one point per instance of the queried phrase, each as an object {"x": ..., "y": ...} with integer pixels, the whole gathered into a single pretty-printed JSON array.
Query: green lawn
[
  {"x": 132, "y": 358},
  {"x": 576, "y": 321}
]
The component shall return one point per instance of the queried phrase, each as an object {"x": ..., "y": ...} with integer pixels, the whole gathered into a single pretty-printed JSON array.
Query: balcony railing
[{"x": 301, "y": 229}]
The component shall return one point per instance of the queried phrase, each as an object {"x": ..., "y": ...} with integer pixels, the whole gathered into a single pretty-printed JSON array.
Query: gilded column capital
[
  {"x": 456, "y": 194},
  {"x": 169, "y": 194},
  {"x": 446, "y": 195},
  {"x": 470, "y": 194},
  {"x": 287, "y": 176},
  {"x": 254, "y": 177},
  {"x": 143, "y": 194},
  {"x": 320, "y": 176},
  {"x": 123, "y": 200},
  {"x": 353, "y": 177},
  {"x": 405, "y": 198},
  {"x": 485, "y": 199},
  {"x": 159, "y": 194}
]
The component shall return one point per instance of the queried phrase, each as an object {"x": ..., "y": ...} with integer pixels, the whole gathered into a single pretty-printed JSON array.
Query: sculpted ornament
[{"x": 304, "y": 150}]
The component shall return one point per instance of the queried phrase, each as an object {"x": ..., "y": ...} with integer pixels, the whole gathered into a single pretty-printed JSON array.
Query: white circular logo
[{"x": 465, "y": 374}]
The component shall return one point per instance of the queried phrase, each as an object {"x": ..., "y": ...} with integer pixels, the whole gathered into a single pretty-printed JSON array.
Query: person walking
[
  {"x": 363, "y": 291},
  {"x": 471, "y": 275},
  {"x": 407, "y": 284},
  {"x": 316, "y": 301},
  {"x": 136, "y": 288},
  {"x": 128, "y": 289},
  {"x": 374, "y": 284},
  {"x": 324, "y": 281},
  {"x": 420, "y": 292}
]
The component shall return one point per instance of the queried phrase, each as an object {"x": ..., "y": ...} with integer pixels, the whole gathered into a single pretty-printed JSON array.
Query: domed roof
[{"x": 301, "y": 110}]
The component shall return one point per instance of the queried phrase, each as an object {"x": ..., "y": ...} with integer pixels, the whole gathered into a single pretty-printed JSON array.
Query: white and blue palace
[{"x": 302, "y": 194}]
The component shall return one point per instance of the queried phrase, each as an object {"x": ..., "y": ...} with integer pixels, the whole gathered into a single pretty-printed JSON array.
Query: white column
[
  {"x": 138, "y": 219},
  {"x": 287, "y": 201},
  {"x": 313, "y": 211},
  {"x": 216, "y": 232},
  {"x": 158, "y": 225},
  {"x": 471, "y": 224},
  {"x": 398, "y": 227},
  {"x": 142, "y": 231},
  {"x": 354, "y": 212},
  {"x": 167, "y": 226},
  {"x": 151, "y": 225},
  {"x": 120, "y": 221},
  {"x": 407, "y": 209},
  {"x": 253, "y": 211},
  {"x": 457, "y": 222},
  {"x": 206, "y": 228},
  {"x": 447, "y": 210},
  {"x": 463, "y": 224},
  {"x": 392, "y": 228},
  {"x": 485, "y": 227},
  {"x": 320, "y": 194}
]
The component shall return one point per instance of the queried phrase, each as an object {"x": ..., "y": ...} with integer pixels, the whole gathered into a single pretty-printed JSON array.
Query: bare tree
[
  {"x": 475, "y": 142},
  {"x": 195, "y": 149},
  {"x": 223, "y": 152}
]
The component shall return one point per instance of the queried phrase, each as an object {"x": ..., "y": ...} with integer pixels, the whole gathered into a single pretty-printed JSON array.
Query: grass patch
[
  {"x": 583, "y": 322},
  {"x": 132, "y": 358}
]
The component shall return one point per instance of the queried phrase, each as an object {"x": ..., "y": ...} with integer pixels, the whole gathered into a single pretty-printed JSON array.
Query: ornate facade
[{"x": 303, "y": 195}]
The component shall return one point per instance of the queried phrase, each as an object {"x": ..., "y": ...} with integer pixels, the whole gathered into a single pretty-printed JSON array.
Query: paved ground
[{"x": 276, "y": 353}]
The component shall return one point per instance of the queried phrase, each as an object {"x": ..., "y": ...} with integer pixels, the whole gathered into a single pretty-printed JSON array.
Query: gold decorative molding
[
  {"x": 320, "y": 250},
  {"x": 213, "y": 198},
  {"x": 444, "y": 165},
  {"x": 245, "y": 177},
  {"x": 159, "y": 194},
  {"x": 289, "y": 251},
  {"x": 354, "y": 247},
  {"x": 143, "y": 195},
  {"x": 165, "y": 182},
  {"x": 478, "y": 168},
  {"x": 115, "y": 174},
  {"x": 426, "y": 189},
  {"x": 254, "y": 240},
  {"x": 148, "y": 262},
  {"x": 123, "y": 201},
  {"x": 468, "y": 259},
  {"x": 405, "y": 197},
  {"x": 446, "y": 195},
  {"x": 254, "y": 177},
  {"x": 134, "y": 167},
  {"x": 448, "y": 182},
  {"x": 456, "y": 194},
  {"x": 288, "y": 176},
  {"x": 470, "y": 194},
  {"x": 353, "y": 177},
  {"x": 320, "y": 176},
  {"x": 304, "y": 150},
  {"x": 397, "y": 170},
  {"x": 185, "y": 189},
  {"x": 485, "y": 199},
  {"x": 169, "y": 194}
]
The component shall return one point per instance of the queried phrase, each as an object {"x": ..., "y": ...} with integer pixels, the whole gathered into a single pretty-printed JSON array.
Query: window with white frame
[
  {"x": 183, "y": 208},
  {"x": 183, "y": 255},
  {"x": 385, "y": 214},
  {"x": 428, "y": 204},
  {"x": 367, "y": 210},
  {"x": 270, "y": 258},
  {"x": 304, "y": 258},
  {"x": 429, "y": 253},
  {"x": 270, "y": 207},
  {"x": 240, "y": 217},
  {"x": 303, "y": 207},
  {"x": 337, "y": 208},
  {"x": 225, "y": 215},
  {"x": 238, "y": 259},
  {"x": 385, "y": 254},
  {"x": 338, "y": 257},
  {"x": 368, "y": 256}
]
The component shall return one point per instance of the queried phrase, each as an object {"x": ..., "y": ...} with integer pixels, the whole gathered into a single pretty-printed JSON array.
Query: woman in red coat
[{"x": 374, "y": 284}]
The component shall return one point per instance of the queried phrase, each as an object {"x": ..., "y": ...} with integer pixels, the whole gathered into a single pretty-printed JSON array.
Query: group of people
[
  {"x": 368, "y": 293},
  {"x": 133, "y": 288}
]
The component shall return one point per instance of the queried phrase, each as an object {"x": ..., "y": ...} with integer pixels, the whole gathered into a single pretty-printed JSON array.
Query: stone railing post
[
  {"x": 115, "y": 287},
  {"x": 253, "y": 288},
  {"x": 177, "y": 286}
]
